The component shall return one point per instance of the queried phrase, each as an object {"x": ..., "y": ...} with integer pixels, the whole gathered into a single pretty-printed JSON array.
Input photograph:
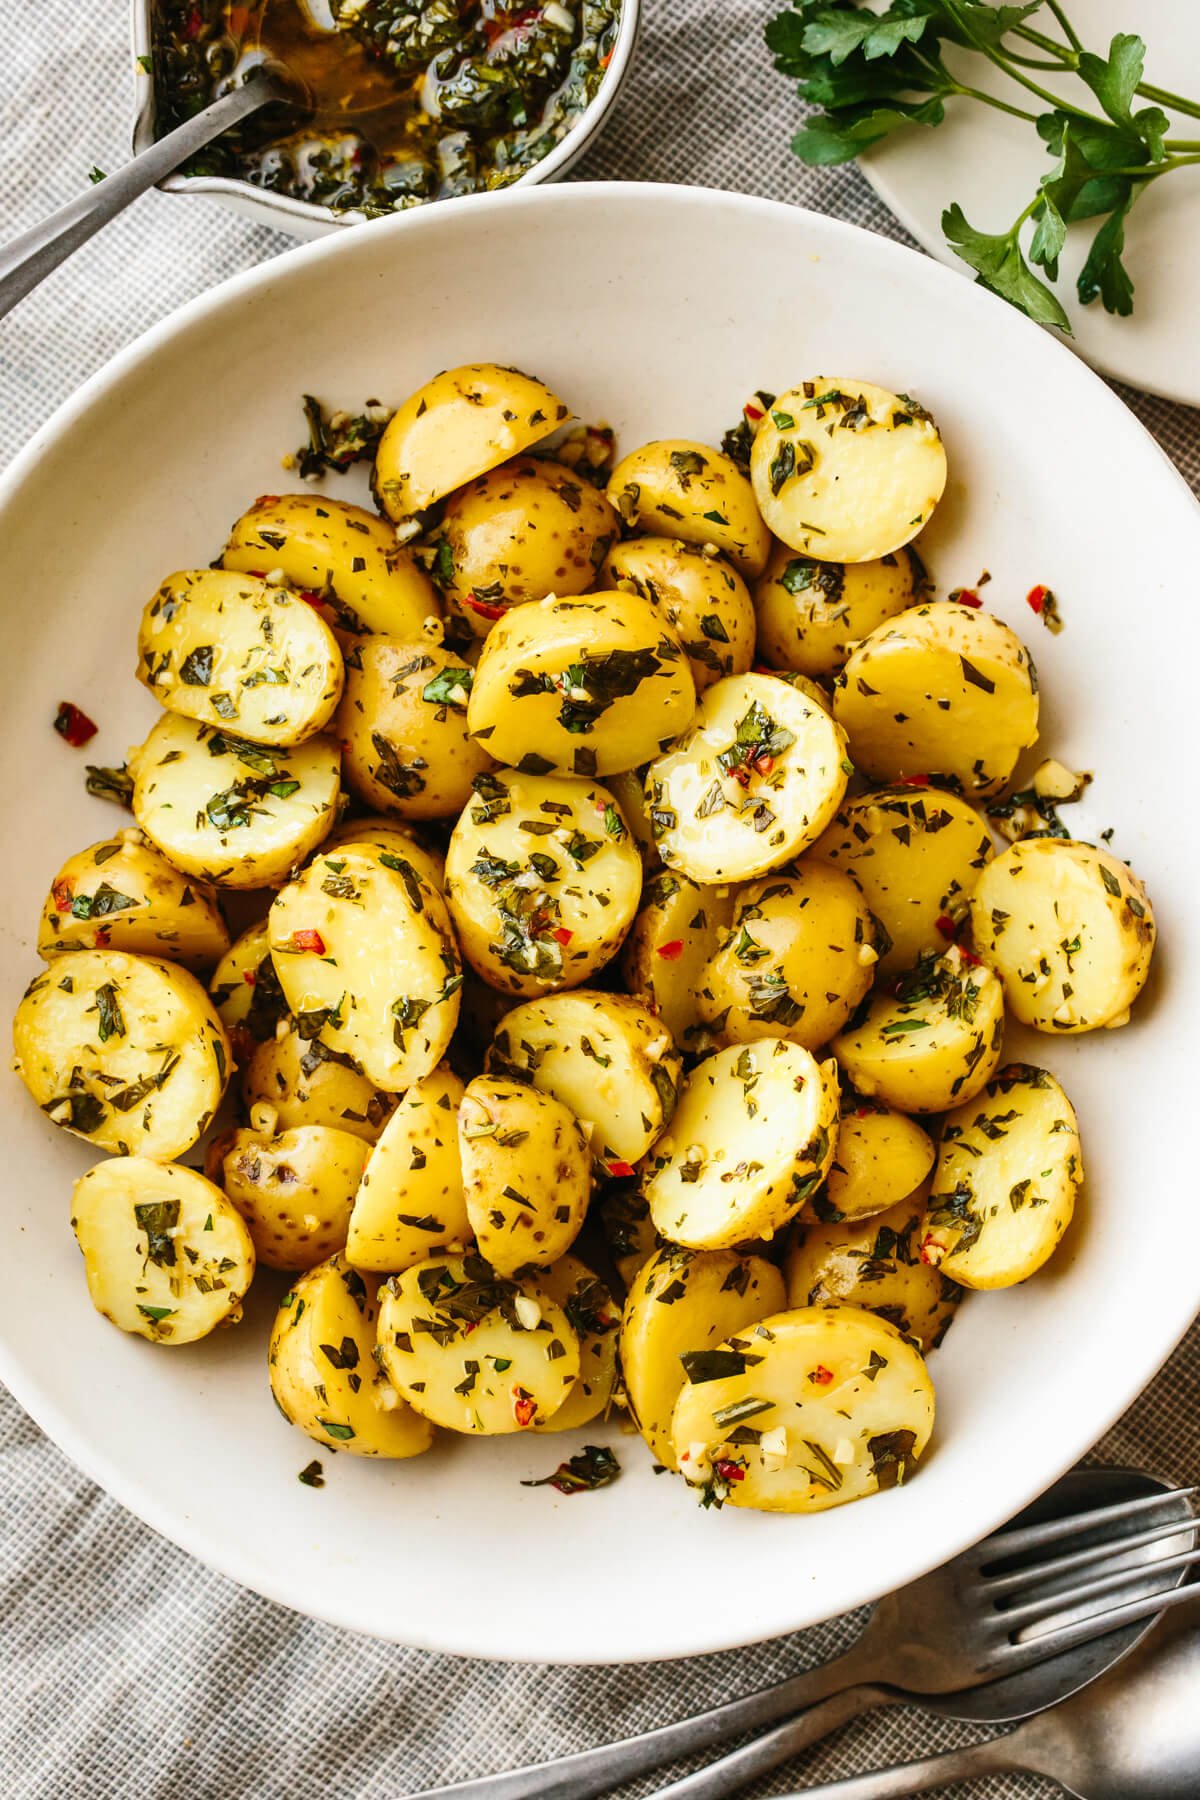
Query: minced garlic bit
[
  {"x": 433, "y": 629},
  {"x": 275, "y": 578},
  {"x": 867, "y": 953},
  {"x": 843, "y": 1452},
  {"x": 773, "y": 1445},
  {"x": 528, "y": 1312},
  {"x": 1052, "y": 780},
  {"x": 264, "y": 1119}
]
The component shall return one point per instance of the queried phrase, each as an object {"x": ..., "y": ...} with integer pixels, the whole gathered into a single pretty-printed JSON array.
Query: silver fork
[{"x": 970, "y": 1622}]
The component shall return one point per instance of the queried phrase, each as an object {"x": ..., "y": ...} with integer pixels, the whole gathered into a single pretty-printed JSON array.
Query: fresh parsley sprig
[{"x": 871, "y": 73}]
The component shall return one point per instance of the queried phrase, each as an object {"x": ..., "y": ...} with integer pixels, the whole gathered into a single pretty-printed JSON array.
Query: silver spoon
[
  {"x": 1135, "y": 1735},
  {"x": 929, "y": 1642}
]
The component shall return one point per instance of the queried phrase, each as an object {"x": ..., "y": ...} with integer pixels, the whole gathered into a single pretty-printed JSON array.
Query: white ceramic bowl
[
  {"x": 658, "y": 309},
  {"x": 304, "y": 218}
]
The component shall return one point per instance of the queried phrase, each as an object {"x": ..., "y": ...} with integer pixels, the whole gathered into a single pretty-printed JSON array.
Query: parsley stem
[
  {"x": 1070, "y": 60},
  {"x": 1065, "y": 25},
  {"x": 1018, "y": 112}
]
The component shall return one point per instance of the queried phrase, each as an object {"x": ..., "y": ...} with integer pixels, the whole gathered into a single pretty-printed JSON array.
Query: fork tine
[
  {"x": 1016, "y": 1618},
  {"x": 1021, "y": 1538},
  {"x": 1033, "y": 1574},
  {"x": 1029, "y": 1651}
]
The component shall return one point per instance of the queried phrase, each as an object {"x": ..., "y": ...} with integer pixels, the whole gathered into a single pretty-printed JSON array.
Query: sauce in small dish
[{"x": 412, "y": 100}]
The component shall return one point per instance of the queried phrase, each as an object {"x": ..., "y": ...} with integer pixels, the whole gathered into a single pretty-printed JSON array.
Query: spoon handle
[
  {"x": 989, "y": 1758},
  {"x": 762, "y": 1754},
  {"x": 32, "y": 256}
]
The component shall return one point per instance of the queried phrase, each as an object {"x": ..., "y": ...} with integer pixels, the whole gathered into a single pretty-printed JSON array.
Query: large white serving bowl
[{"x": 657, "y": 309}]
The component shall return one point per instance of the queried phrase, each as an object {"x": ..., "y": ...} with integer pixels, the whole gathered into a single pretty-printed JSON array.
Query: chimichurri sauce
[{"x": 414, "y": 99}]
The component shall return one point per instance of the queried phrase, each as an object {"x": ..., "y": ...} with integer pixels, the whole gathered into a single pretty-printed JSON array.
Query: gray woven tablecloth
[{"x": 131, "y": 1671}]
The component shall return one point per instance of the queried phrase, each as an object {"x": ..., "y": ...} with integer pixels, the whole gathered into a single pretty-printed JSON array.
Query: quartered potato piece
[
  {"x": 753, "y": 783},
  {"x": 522, "y": 531},
  {"x": 623, "y": 1215},
  {"x": 686, "y": 490},
  {"x": 680, "y": 1306},
  {"x": 933, "y": 1042},
  {"x": 881, "y": 1159},
  {"x": 403, "y": 728},
  {"x": 939, "y": 690},
  {"x": 605, "y": 1056},
  {"x": 295, "y": 1190},
  {"x": 122, "y": 895},
  {"x": 797, "y": 959},
  {"x": 596, "y": 1321},
  {"x": 804, "y": 1411},
  {"x": 462, "y": 423},
  {"x": 342, "y": 559},
  {"x": 1069, "y": 930},
  {"x": 166, "y": 1255},
  {"x": 474, "y": 1351},
  {"x": 246, "y": 993},
  {"x": 125, "y": 1051},
  {"x": 323, "y": 1372},
  {"x": 879, "y": 1264},
  {"x": 410, "y": 1201},
  {"x": 751, "y": 1139},
  {"x": 230, "y": 811},
  {"x": 526, "y": 1172},
  {"x": 542, "y": 880},
  {"x": 366, "y": 957},
  {"x": 585, "y": 686},
  {"x": 674, "y": 936},
  {"x": 229, "y": 649},
  {"x": 845, "y": 470},
  {"x": 700, "y": 594},
  {"x": 304, "y": 1083},
  {"x": 1008, "y": 1170},
  {"x": 398, "y": 837},
  {"x": 917, "y": 853},
  {"x": 812, "y": 614}
]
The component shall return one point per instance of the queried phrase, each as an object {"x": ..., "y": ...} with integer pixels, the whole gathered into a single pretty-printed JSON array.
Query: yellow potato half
[
  {"x": 526, "y": 1172},
  {"x": 933, "y": 1042},
  {"x": 123, "y": 895},
  {"x": 681, "y": 489},
  {"x": 701, "y": 595},
  {"x": 879, "y": 1264},
  {"x": 410, "y": 1201},
  {"x": 811, "y": 614},
  {"x": 402, "y": 725},
  {"x": 295, "y": 1190}
]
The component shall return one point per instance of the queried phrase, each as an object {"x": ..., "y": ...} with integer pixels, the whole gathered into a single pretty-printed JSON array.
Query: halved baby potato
[
  {"x": 811, "y": 614},
  {"x": 410, "y": 1203},
  {"x": 797, "y": 959},
  {"x": 230, "y": 811},
  {"x": 940, "y": 689},
  {"x": 522, "y": 531},
  {"x": 342, "y": 559},
  {"x": 845, "y": 470},
  {"x": 457, "y": 426},
  {"x": 700, "y": 594},
  {"x": 366, "y": 957},
  {"x": 230, "y": 649},
  {"x": 680, "y": 1306},
  {"x": 879, "y": 1264},
  {"x": 596, "y": 1321},
  {"x": 803, "y": 1411},
  {"x": 1008, "y": 1170},
  {"x": 475, "y": 1351},
  {"x": 933, "y": 1042},
  {"x": 1070, "y": 931},
  {"x": 304, "y": 1083},
  {"x": 402, "y": 725},
  {"x": 400, "y": 838},
  {"x": 917, "y": 853},
  {"x": 680, "y": 489},
  {"x": 246, "y": 993},
  {"x": 166, "y": 1255},
  {"x": 295, "y": 1190},
  {"x": 323, "y": 1372},
  {"x": 605, "y": 1056},
  {"x": 882, "y": 1158},
  {"x": 125, "y": 1051},
  {"x": 122, "y": 894},
  {"x": 675, "y": 934},
  {"x": 526, "y": 1172},
  {"x": 754, "y": 781},
  {"x": 751, "y": 1139},
  {"x": 584, "y": 686},
  {"x": 542, "y": 880}
]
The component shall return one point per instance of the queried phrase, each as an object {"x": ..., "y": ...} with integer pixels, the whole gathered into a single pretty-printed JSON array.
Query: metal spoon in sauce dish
[{"x": 286, "y": 65}]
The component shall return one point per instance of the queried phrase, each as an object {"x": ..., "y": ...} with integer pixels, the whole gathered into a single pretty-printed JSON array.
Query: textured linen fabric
[{"x": 131, "y": 1672}]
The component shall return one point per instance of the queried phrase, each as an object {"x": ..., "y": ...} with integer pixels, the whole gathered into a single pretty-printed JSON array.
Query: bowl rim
[
  {"x": 294, "y": 214},
  {"x": 86, "y": 1450}
]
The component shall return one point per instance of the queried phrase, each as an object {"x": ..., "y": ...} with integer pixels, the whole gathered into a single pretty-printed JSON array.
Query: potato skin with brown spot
[
  {"x": 295, "y": 1191},
  {"x": 403, "y": 728}
]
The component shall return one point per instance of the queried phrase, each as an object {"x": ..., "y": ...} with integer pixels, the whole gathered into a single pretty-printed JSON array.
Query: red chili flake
[
  {"x": 1036, "y": 598},
  {"x": 312, "y": 598},
  {"x": 931, "y": 1251},
  {"x": 946, "y": 925},
  {"x": 672, "y": 951},
  {"x": 74, "y": 725},
  {"x": 524, "y": 1407},
  {"x": 753, "y": 412},
  {"x": 103, "y": 937},
  {"x": 964, "y": 597},
  {"x": 62, "y": 896},
  {"x": 969, "y": 956},
  {"x": 267, "y": 500},
  {"x": 606, "y": 59},
  {"x": 820, "y": 1376},
  {"x": 243, "y": 1043},
  {"x": 762, "y": 764},
  {"x": 562, "y": 935},
  {"x": 864, "y": 1112},
  {"x": 729, "y": 1471},
  {"x": 250, "y": 976},
  {"x": 193, "y": 24},
  {"x": 911, "y": 781},
  {"x": 620, "y": 1168},
  {"x": 307, "y": 940},
  {"x": 484, "y": 608}
]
